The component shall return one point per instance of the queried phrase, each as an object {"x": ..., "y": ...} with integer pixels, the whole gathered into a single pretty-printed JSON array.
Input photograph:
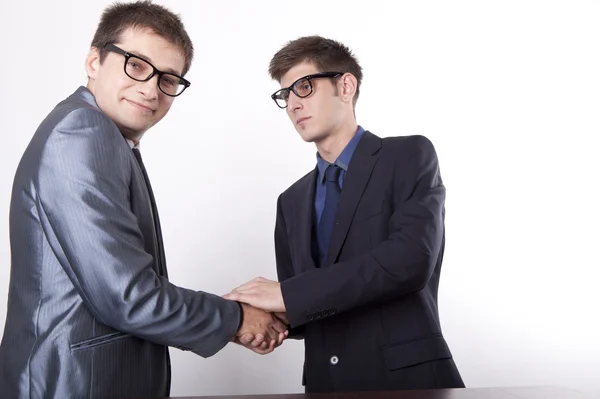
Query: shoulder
[
  {"x": 298, "y": 188},
  {"x": 408, "y": 154},
  {"x": 409, "y": 144},
  {"x": 78, "y": 132},
  {"x": 80, "y": 117},
  {"x": 77, "y": 124}
]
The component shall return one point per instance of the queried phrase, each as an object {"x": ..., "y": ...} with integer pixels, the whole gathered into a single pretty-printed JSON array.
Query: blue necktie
[{"x": 332, "y": 196}]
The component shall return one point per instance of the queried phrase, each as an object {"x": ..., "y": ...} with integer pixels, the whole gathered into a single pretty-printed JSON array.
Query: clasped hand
[{"x": 264, "y": 321}]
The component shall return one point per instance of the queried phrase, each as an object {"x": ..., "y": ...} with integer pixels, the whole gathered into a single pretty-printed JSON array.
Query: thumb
[{"x": 230, "y": 295}]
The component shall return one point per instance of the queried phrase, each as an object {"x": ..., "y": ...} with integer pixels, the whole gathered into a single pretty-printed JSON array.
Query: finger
[
  {"x": 273, "y": 334},
  {"x": 263, "y": 351},
  {"x": 278, "y": 325},
  {"x": 232, "y": 296},
  {"x": 268, "y": 347},
  {"x": 246, "y": 338},
  {"x": 248, "y": 290},
  {"x": 238, "y": 296},
  {"x": 249, "y": 285},
  {"x": 283, "y": 317},
  {"x": 249, "y": 299},
  {"x": 258, "y": 340},
  {"x": 281, "y": 338}
]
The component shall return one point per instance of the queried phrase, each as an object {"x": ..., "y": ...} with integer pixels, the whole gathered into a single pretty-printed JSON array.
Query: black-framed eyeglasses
[
  {"x": 302, "y": 88},
  {"x": 141, "y": 70}
]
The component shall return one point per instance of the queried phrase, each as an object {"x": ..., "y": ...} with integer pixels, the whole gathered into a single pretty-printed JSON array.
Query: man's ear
[
  {"x": 347, "y": 87},
  {"x": 92, "y": 63}
]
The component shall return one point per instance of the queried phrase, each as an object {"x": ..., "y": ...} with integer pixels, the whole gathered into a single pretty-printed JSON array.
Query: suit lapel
[
  {"x": 162, "y": 263},
  {"x": 358, "y": 175},
  {"x": 304, "y": 219}
]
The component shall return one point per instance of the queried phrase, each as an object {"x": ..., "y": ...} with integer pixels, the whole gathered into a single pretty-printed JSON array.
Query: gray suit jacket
[{"x": 90, "y": 309}]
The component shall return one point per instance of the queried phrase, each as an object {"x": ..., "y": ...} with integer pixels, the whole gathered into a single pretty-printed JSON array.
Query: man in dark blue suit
[{"x": 359, "y": 240}]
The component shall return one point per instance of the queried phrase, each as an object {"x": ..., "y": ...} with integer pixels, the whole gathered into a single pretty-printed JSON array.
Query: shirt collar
[
  {"x": 344, "y": 159},
  {"x": 132, "y": 145}
]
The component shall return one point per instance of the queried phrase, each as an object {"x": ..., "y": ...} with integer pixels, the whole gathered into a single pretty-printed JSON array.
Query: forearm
[
  {"x": 170, "y": 315},
  {"x": 389, "y": 270}
]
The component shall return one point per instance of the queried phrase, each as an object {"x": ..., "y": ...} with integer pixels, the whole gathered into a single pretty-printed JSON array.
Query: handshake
[{"x": 264, "y": 321}]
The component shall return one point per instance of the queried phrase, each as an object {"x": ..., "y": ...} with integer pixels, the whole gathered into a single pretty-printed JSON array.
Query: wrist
[{"x": 241, "y": 322}]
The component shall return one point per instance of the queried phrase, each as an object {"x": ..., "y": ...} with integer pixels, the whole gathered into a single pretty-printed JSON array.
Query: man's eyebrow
[{"x": 146, "y": 58}]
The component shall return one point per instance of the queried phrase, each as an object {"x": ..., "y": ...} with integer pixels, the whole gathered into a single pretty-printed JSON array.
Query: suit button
[{"x": 334, "y": 360}]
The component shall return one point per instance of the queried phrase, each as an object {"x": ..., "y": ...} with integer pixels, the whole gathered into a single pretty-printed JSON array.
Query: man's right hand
[{"x": 260, "y": 331}]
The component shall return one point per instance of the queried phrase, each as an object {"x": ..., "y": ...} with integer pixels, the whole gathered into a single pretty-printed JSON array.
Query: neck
[
  {"x": 332, "y": 146},
  {"x": 90, "y": 86}
]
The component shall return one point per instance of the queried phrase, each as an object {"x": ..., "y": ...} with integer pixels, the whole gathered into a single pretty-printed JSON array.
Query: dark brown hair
[
  {"x": 326, "y": 55},
  {"x": 142, "y": 15}
]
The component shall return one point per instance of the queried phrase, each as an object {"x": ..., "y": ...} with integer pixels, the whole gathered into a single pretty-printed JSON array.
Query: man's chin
[{"x": 310, "y": 137}]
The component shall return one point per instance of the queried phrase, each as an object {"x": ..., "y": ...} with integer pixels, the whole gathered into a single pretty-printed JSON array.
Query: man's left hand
[{"x": 260, "y": 293}]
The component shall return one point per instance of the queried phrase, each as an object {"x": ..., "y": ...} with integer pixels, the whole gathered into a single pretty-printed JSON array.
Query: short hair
[
  {"x": 326, "y": 54},
  {"x": 142, "y": 15}
]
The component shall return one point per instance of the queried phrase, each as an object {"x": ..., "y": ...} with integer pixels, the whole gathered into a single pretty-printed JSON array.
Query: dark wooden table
[{"x": 466, "y": 393}]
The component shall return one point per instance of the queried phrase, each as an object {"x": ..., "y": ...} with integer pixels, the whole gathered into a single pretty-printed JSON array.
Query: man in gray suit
[{"x": 91, "y": 312}]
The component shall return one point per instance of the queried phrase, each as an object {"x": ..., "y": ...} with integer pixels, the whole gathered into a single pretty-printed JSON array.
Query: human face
[
  {"x": 318, "y": 115},
  {"x": 134, "y": 106}
]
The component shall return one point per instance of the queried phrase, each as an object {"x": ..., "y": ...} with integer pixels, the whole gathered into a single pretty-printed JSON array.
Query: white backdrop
[{"x": 508, "y": 92}]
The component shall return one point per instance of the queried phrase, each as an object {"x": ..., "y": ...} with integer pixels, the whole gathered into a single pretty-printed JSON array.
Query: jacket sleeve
[{"x": 285, "y": 269}]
